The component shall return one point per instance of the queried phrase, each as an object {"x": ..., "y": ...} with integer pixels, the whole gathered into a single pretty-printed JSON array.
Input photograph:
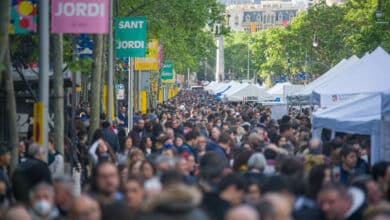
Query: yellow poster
[
  {"x": 160, "y": 96},
  {"x": 144, "y": 101},
  {"x": 105, "y": 102},
  {"x": 150, "y": 62},
  {"x": 38, "y": 123},
  {"x": 253, "y": 27}
]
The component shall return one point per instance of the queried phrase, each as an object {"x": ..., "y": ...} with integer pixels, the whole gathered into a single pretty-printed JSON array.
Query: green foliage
[
  {"x": 340, "y": 32},
  {"x": 180, "y": 27}
]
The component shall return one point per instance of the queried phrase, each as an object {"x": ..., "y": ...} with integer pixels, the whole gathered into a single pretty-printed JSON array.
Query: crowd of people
[{"x": 194, "y": 157}]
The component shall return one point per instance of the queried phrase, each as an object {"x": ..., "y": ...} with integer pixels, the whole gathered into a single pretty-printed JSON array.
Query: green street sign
[
  {"x": 130, "y": 37},
  {"x": 167, "y": 71}
]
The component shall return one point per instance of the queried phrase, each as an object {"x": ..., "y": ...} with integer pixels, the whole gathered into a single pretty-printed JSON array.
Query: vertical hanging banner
[
  {"x": 253, "y": 27},
  {"x": 80, "y": 16},
  {"x": 167, "y": 71},
  {"x": 23, "y": 17},
  {"x": 144, "y": 101},
  {"x": 150, "y": 62},
  {"x": 130, "y": 37},
  {"x": 160, "y": 56},
  {"x": 38, "y": 123}
]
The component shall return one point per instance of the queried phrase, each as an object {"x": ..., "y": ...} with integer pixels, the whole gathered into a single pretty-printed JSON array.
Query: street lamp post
[
  {"x": 44, "y": 47},
  {"x": 248, "y": 64}
]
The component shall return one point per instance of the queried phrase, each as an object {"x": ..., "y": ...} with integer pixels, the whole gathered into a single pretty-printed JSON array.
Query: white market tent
[
  {"x": 249, "y": 92},
  {"x": 221, "y": 87},
  {"x": 217, "y": 87},
  {"x": 230, "y": 88},
  {"x": 234, "y": 89},
  {"x": 210, "y": 85},
  {"x": 370, "y": 75},
  {"x": 336, "y": 71},
  {"x": 278, "y": 91},
  {"x": 367, "y": 115}
]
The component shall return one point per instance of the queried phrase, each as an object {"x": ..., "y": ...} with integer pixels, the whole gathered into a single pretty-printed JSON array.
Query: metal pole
[
  {"x": 188, "y": 77},
  {"x": 110, "y": 63},
  {"x": 205, "y": 70},
  {"x": 130, "y": 97},
  {"x": 217, "y": 69},
  {"x": 248, "y": 63},
  {"x": 44, "y": 68},
  {"x": 139, "y": 90}
]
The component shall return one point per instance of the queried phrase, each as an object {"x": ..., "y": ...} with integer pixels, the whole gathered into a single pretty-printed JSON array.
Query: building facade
[{"x": 259, "y": 15}]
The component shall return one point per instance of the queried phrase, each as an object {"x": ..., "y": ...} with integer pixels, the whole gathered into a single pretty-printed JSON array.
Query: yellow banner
[
  {"x": 160, "y": 96},
  {"x": 144, "y": 101},
  {"x": 105, "y": 103},
  {"x": 150, "y": 62},
  {"x": 253, "y": 27},
  {"x": 38, "y": 123}
]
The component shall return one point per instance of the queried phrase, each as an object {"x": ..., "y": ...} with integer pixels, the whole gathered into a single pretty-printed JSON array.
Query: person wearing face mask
[{"x": 42, "y": 203}]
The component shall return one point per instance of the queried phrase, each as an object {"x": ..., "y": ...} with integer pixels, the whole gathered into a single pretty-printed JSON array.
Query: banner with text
[
  {"x": 150, "y": 62},
  {"x": 167, "y": 71},
  {"x": 80, "y": 16},
  {"x": 130, "y": 37}
]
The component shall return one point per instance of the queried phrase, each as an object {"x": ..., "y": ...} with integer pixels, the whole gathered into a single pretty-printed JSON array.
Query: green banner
[
  {"x": 130, "y": 37},
  {"x": 167, "y": 71}
]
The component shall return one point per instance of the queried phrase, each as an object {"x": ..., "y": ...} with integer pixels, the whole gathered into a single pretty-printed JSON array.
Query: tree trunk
[
  {"x": 13, "y": 138},
  {"x": 4, "y": 22},
  {"x": 96, "y": 86},
  {"x": 58, "y": 92},
  {"x": 84, "y": 86},
  {"x": 5, "y": 67}
]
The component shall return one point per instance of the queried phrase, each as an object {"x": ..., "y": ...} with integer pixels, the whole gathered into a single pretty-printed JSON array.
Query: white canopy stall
[
  {"x": 370, "y": 75},
  {"x": 248, "y": 93},
  {"x": 277, "y": 91},
  {"x": 365, "y": 114},
  {"x": 303, "y": 96}
]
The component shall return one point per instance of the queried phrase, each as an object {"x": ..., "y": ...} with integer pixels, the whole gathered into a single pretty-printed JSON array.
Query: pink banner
[
  {"x": 160, "y": 56},
  {"x": 80, "y": 16}
]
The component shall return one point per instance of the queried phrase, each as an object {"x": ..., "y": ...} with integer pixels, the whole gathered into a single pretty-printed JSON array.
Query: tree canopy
[{"x": 338, "y": 31}]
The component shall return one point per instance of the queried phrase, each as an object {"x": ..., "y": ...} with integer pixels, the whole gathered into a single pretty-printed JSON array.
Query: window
[
  {"x": 247, "y": 18},
  {"x": 258, "y": 18}
]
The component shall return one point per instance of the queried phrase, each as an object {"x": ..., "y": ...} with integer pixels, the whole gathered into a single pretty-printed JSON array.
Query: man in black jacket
[
  {"x": 29, "y": 173},
  {"x": 110, "y": 137}
]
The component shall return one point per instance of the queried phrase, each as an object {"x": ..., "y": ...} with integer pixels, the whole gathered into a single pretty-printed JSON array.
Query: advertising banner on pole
[
  {"x": 120, "y": 92},
  {"x": 80, "y": 16},
  {"x": 38, "y": 123},
  {"x": 150, "y": 62},
  {"x": 144, "y": 101},
  {"x": 130, "y": 37},
  {"x": 160, "y": 56},
  {"x": 23, "y": 17},
  {"x": 167, "y": 71}
]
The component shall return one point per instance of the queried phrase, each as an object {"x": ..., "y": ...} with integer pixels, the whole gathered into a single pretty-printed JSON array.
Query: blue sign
[
  {"x": 84, "y": 46},
  {"x": 302, "y": 76}
]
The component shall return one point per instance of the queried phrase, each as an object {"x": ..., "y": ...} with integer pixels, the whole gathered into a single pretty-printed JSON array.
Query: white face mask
[{"x": 42, "y": 207}]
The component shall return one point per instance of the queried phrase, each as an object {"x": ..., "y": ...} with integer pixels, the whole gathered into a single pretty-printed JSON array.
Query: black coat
[
  {"x": 112, "y": 139},
  {"x": 27, "y": 175},
  {"x": 215, "y": 207}
]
